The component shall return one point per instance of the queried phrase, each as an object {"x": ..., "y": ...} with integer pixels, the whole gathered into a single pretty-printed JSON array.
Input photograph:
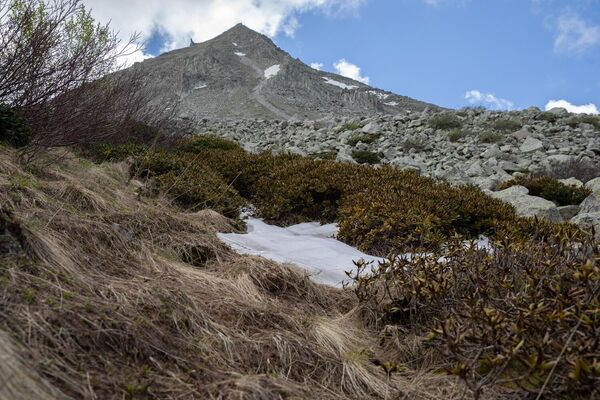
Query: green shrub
[
  {"x": 366, "y": 138},
  {"x": 547, "y": 116},
  {"x": 113, "y": 153},
  {"x": 506, "y": 125},
  {"x": 14, "y": 130},
  {"x": 365, "y": 157},
  {"x": 593, "y": 120},
  {"x": 456, "y": 135},
  {"x": 490, "y": 137},
  {"x": 524, "y": 317},
  {"x": 199, "y": 143},
  {"x": 550, "y": 189},
  {"x": 445, "y": 121},
  {"x": 325, "y": 155},
  {"x": 351, "y": 126}
]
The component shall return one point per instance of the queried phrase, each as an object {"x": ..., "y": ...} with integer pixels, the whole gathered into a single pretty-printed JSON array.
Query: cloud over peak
[
  {"x": 490, "y": 100},
  {"x": 582, "y": 109},
  {"x": 349, "y": 70}
]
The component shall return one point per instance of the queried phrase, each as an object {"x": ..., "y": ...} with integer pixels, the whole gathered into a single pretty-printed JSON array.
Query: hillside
[{"x": 242, "y": 74}]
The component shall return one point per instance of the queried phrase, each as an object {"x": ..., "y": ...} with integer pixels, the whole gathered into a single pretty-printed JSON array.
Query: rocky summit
[{"x": 243, "y": 74}]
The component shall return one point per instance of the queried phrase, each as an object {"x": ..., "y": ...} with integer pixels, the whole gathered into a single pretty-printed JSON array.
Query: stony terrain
[
  {"x": 484, "y": 148},
  {"x": 243, "y": 74}
]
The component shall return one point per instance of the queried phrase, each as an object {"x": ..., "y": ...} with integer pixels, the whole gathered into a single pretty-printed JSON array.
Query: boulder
[
  {"x": 530, "y": 145},
  {"x": 591, "y": 204},
  {"x": 568, "y": 212},
  {"x": 528, "y": 206},
  {"x": 371, "y": 127},
  {"x": 587, "y": 221},
  {"x": 571, "y": 182},
  {"x": 560, "y": 111},
  {"x": 521, "y": 134},
  {"x": 593, "y": 185}
]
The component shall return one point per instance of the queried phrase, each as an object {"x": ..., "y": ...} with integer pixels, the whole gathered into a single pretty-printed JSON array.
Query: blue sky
[{"x": 504, "y": 53}]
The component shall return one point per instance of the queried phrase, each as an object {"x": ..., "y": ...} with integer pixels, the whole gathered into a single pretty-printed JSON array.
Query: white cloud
[
  {"x": 349, "y": 70},
  {"x": 488, "y": 99},
  {"x": 181, "y": 20},
  {"x": 317, "y": 66},
  {"x": 575, "y": 36},
  {"x": 582, "y": 109}
]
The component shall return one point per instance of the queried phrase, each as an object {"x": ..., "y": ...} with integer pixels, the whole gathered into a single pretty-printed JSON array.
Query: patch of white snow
[
  {"x": 338, "y": 84},
  {"x": 310, "y": 246},
  {"x": 200, "y": 86},
  {"x": 240, "y": 54},
  {"x": 272, "y": 71},
  {"x": 235, "y": 44},
  {"x": 380, "y": 95},
  {"x": 391, "y": 103}
]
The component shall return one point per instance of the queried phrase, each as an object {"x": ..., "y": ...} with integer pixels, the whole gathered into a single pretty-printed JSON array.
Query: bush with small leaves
[
  {"x": 506, "y": 125},
  {"x": 456, "y": 135},
  {"x": 351, "y": 126},
  {"x": 547, "y": 116},
  {"x": 199, "y": 143},
  {"x": 366, "y": 138},
  {"x": 366, "y": 157},
  {"x": 14, "y": 130},
  {"x": 550, "y": 189},
  {"x": 445, "y": 121},
  {"x": 490, "y": 137}
]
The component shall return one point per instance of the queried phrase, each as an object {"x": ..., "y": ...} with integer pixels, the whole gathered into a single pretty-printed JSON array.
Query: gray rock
[
  {"x": 521, "y": 134},
  {"x": 528, "y": 206},
  {"x": 560, "y": 111},
  {"x": 572, "y": 182},
  {"x": 591, "y": 204},
  {"x": 587, "y": 221},
  {"x": 530, "y": 145},
  {"x": 593, "y": 185},
  {"x": 371, "y": 127},
  {"x": 568, "y": 212}
]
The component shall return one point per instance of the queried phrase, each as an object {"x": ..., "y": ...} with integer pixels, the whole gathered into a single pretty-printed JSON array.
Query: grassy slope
[{"x": 108, "y": 295}]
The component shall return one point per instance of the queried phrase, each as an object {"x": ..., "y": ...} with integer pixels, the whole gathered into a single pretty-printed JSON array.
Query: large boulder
[
  {"x": 593, "y": 185},
  {"x": 587, "y": 221},
  {"x": 371, "y": 127},
  {"x": 591, "y": 204},
  {"x": 571, "y": 182},
  {"x": 531, "y": 144},
  {"x": 528, "y": 206}
]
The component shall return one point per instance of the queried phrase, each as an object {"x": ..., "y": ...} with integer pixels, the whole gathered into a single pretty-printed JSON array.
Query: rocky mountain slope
[{"x": 243, "y": 74}]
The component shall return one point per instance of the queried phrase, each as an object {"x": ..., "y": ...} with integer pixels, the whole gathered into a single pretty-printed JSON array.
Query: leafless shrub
[{"x": 582, "y": 169}]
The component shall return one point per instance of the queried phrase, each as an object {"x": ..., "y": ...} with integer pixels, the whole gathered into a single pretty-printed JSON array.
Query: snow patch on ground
[
  {"x": 338, "y": 84},
  {"x": 310, "y": 246},
  {"x": 200, "y": 86},
  {"x": 380, "y": 95},
  {"x": 235, "y": 44},
  {"x": 240, "y": 54},
  {"x": 272, "y": 71},
  {"x": 391, "y": 103}
]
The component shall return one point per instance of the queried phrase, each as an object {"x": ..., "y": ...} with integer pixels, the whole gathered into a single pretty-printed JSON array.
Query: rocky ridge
[
  {"x": 242, "y": 74},
  {"x": 485, "y": 148}
]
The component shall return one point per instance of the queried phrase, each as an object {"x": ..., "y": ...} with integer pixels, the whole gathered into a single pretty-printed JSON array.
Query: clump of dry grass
[{"x": 105, "y": 294}]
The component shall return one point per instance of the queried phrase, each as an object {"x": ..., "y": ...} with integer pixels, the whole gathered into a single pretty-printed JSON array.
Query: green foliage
[
  {"x": 205, "y": 142},
  {"x": 445, "y": 121},
  {"x": 526, "y": 314},
  {"x": 593, "y": 120},
  {"x": 110, "y": 153},
  {"x": 550, "y": 189},
  {"x": 326, "y": 155},
  {"x": 14, "y": 130},
  {"x": 547, "y": 116},
  {"x": 351, "y": 126},
  {"x": 506, "y": 125},
  {"x": 366, "y": 157},
  {"x": 490, "y": 137},
  {"x": 456, "y": 135},
  {"x": 414, "y": 143},
  {"x": 366, "y": 138}
]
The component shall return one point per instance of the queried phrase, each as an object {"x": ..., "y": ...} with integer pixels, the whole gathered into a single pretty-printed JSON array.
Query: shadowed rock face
[{"x": 242, "y": 74}]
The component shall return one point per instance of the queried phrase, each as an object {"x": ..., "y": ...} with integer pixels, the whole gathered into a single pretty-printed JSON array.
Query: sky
[{"x": 500, "y": 54}]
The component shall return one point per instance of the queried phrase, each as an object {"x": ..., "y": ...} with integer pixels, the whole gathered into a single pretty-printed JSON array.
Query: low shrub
[
  {"x": 445, "y": 121},
  {"x": 351, "y": 126},
  {"x": 456, "y": 135},
  {"x": 547, "y": 116},
  {"x": 366, "y": 157},
  {"x": 366, "y": 138},
  {"x": 199, "y": 143},
  {"x": 506, "y": 125},
  {"x": 490, "y": 137},
  {"x": 14, "y": 130},
  {"x": 325, "y": 155},
  {"x": 550, "y": 189},
  {"x": 524, "y": 317},
  {"x": 414, "y": 143},
  {"x": 593, "y": 120},
  {"x": 114, "y": 153},
  {"x": 582, "y": 169}
]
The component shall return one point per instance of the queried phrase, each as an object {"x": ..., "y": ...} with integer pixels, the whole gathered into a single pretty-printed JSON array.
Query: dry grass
[{"x": 105, "y": 294}]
